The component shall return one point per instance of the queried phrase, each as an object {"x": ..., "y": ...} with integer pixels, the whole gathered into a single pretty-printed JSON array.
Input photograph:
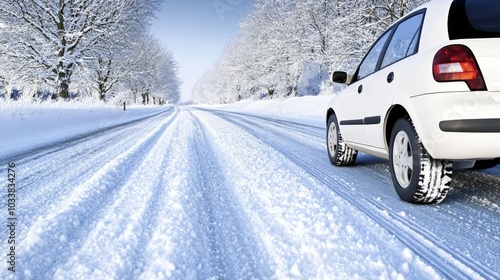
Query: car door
[
  {"x": 352, "y": 111},
  {"x": 385, "y": 82},
  {"x": 352, "y": 120}
]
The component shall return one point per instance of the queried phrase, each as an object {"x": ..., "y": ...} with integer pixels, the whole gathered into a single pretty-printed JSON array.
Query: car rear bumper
[
  {"x": 458, "y": 125},
  {"x": 471, "y": 126}
]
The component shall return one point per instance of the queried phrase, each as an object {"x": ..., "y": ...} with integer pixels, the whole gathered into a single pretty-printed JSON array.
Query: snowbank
[{"x": 27, "y": 125}]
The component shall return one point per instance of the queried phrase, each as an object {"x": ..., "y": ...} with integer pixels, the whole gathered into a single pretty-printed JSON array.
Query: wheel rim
[
  {"x": 332, "y": 138},
  {"x": 402, "y": 159}
]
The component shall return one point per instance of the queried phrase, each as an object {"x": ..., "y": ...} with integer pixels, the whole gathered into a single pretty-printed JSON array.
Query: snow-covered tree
[
  {"x": 151, "y": 72},
  {"x": 53, "y": 37},
  {"x": 290, "y": 47}
]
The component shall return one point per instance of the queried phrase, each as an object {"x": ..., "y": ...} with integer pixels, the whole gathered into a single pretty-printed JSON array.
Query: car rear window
[{"x": 470, "y": 19}]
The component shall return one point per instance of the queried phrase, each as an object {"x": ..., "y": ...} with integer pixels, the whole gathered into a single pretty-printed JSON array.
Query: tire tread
[
  {"x": 434, "y": 176},
  {"x": 344, "y": 155}
]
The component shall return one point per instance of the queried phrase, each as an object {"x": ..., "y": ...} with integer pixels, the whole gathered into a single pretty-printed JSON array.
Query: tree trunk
[
  {"x": 102, "y": 92},
  {"x": 271, "y": 93},
  {"x": 63, "y": 88},
  {"x": 3, "y": 84},
  {"x": 145, "y": 98}
]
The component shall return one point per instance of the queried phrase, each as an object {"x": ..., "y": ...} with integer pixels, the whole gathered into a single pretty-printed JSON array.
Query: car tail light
[{"x": 457, "y": 63}]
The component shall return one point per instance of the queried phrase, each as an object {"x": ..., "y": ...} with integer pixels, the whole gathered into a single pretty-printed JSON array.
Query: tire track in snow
[
  {"x": 52, "y": 239},
  {"x": 37, "y": 152},
  {"x": 306, "y": 130},
  {"x": 121, "y": 235},
  {"x": 177, "y": 244},
  {"x": 45, "y": 177},
  {"x": 307, "y": 232},
  {"x": 199, "y": 234},
  {"x": 452, "y": 263},
  {"x": 45, "y": 174},
  {"x": 234, "y": 249}
]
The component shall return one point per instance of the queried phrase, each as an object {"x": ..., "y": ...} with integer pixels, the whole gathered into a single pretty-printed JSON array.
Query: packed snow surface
[{"x": 226, "y": 192}]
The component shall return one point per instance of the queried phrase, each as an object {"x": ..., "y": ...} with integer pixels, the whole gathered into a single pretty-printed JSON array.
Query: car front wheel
[
  {"x": 417, "y": 177},
  {"x": 338, "y": 151}
]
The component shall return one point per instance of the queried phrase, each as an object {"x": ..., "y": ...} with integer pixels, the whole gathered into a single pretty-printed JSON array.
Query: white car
[{"x": 426, "y": 96}]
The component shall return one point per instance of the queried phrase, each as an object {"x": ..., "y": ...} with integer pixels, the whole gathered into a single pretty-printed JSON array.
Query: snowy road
[{"x": 195, "y": 193}]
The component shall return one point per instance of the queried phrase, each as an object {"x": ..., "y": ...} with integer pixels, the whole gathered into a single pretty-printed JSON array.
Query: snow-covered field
[{"x": 232, "y": 192}]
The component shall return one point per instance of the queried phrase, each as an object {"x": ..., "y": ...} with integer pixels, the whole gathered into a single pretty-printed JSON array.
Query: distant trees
[
  {"x": 151, "y": 72},
  {"x": 49, "y": 45},
  {"x": 290, "y": 48}
]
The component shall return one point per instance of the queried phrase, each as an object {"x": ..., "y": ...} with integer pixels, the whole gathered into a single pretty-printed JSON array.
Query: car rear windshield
[{"x": 470, "y": 19}]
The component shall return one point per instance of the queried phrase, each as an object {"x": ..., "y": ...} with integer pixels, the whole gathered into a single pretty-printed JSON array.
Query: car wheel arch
[
  {"x": 329, "y": 113},
  {"x": 395, "y": 113}
]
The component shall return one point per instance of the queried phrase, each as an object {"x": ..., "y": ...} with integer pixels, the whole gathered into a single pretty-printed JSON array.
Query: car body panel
[
  {"x": 456, "y": 106},
  {"x": 379, "y": 101},
  {"x": 351, "y": 96},
  {"x": 487, "y": 52}
]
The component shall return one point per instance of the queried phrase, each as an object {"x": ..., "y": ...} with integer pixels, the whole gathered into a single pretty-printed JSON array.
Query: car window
[
  {"x": 405, "y": 40},
  {"x": 470, "y": 19},
  {"x": 484, "y": 14},
  {"x": 414, "y": 43},
  {"x": 369, "y": 64}
]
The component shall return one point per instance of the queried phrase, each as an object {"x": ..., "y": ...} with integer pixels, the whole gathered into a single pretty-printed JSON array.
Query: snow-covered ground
[
  {"x": 233, "y": 192},
  {"x": 25, "y": 126}
]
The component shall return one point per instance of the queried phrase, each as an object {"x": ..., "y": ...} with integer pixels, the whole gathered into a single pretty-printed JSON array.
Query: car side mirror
[{"x": 341, "y": 77}]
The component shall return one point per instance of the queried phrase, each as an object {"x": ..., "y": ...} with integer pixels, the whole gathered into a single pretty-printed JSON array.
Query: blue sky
[{"x": 197, "y": 31}]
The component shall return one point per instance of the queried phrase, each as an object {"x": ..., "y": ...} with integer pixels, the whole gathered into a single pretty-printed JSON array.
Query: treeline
[
  {"x": 84, "y": 49},
  {"x": 290, "y": 48}
]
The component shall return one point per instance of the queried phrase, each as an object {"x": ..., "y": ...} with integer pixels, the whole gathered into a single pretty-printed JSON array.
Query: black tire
[
  {"x": 338, "y": 151},
  {"x": 484, "y": 164},
  {"x": 417, "y": 177}
]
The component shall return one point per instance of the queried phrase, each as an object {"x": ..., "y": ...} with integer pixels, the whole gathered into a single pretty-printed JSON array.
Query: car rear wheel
[
  {"x": 417, "y": 177},
  {"x": 338, "y": 152}
]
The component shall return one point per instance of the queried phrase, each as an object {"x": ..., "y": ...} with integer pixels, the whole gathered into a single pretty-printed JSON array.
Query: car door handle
[
  {"x": 390, "y": 77},
  {"x": 360, "y": 89}
]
